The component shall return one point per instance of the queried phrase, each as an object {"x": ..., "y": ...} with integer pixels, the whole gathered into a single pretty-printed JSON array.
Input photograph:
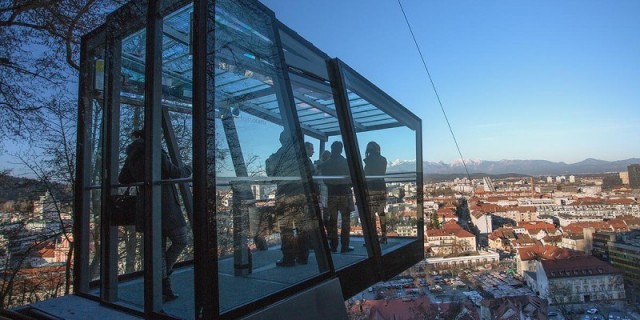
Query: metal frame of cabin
[{"x": 213, "y": 83}]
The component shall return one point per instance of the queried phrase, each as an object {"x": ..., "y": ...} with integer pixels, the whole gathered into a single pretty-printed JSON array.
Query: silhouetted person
[
  {"x": 174, "y": 226},
  {"x": 339, "y": 196},
  {"x": 322, "y": 186},
  {"x": 376, "y": 165},
  {"x": 290, "y": 204},
  {"x": 308, "y": 149}
]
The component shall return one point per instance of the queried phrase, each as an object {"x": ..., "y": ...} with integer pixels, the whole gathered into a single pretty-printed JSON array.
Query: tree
[
  {"x": 39, "y": 48},
  {"x": 434, "y": 222},
  {"x": 561, "y": 295}
]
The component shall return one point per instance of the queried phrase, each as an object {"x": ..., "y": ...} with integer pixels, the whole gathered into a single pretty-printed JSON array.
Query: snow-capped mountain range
[{"x": 528, "y": 167}]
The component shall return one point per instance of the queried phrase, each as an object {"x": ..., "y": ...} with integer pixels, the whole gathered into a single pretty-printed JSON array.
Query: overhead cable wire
[{"x": 434, "y": 89}]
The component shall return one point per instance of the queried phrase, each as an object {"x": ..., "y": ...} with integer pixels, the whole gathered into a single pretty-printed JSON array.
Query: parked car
[{"x": 592, "y": 311}]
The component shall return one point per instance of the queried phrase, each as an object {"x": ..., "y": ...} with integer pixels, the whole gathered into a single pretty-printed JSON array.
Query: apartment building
[
  {"x": 579, "y": 279},
  {"x": 450, "y": 239},
  {"x": 517, "y": 214},
  {"x": 624, "y": 253},
  {"x": 601, "y": 242},
  {"x": 634, "y": 175},
  {"x": 509, "y": 239},
  {"x": 528, "y": 257},
  {"x": 539, "y": 229},
  {"x": 482, "y": 220}
]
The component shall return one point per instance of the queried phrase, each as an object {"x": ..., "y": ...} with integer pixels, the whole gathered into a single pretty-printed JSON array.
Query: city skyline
[{"x": 546, "y": 80}]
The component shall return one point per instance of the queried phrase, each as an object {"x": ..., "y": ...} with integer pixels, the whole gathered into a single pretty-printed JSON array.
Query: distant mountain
[
  {"x": 525, "y": 167},
  {"x": 17, "y": 188}
]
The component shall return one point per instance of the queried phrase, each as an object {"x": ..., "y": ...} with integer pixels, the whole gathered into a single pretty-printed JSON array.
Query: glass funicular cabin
[{"x": 215, "y": 84}]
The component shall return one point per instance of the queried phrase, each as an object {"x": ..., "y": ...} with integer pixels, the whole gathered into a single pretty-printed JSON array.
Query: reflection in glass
[
  {"x": 389, "y": 167},
  {"x": 267, "y": 231},
  {"x": 266, "y": 192},
  {"x": 130, "y": 243},
  {"x": 129, "y": 114},
  {"x": 339, "y": 198},
  {"x": 95, "y": 197},
  {"x": 177, "y": 128},
  {"x": 375, "y": 167},
  {"x": 387, "y": 143},
  {"x": 319, "y": 121},
  {"x": 94, "y": 170}
]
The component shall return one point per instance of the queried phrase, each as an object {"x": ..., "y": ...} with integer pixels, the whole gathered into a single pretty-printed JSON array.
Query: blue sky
[{"x": 552, "y": 80}]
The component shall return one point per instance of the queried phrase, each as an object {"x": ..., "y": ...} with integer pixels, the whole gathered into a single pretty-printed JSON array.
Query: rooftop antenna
[{"x": 434, "y": 89}]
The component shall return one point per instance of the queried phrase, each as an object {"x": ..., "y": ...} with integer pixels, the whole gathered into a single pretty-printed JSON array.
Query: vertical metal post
[
  {"x": 419, "y": 183},
  {"x": 80, "y": 204},
  {"x": 207, "y": 299}
]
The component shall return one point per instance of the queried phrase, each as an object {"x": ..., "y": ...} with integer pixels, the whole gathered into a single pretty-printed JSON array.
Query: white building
[
  {"x": 534, "y": 202},
  {"x": 482, "y": 258},
  {"x": 579, "y": 279},
  {"x": 449, "y": 241},
  {"x": 463, "y": 188},
  {"x": 407, "y": 231},
  {"x": 591, "y": 190},
  {"x": 624, "y": 176},
  {"x": 482, "y": 221}
]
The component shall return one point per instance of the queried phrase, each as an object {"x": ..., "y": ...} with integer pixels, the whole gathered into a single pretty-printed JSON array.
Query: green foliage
[{"x": 434, "y": 223}]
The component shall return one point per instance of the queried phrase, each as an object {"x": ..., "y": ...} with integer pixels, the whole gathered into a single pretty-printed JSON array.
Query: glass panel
[
  {"x": 94, "y": 169},
  {"x": 299, "y": 55},
  {"x": 131, "y": 115},
  {"x": 332, "y": 175},
  {"x": 94, "y": 235},
  {"x": 389, "y": 167},
  {"x": 176, "y": 170},
  {"x": 388, "y": 147},
  {"x": 264, "y": 210}
]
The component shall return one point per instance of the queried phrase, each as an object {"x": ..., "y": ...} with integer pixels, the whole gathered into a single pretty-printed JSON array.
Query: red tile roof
[
  {"x": 485, "y": 207},
  {"x": 505, "y": 233},
  {"x": 408, "y": 309},
  {"x": 451, "y": 228},
  {"x": 577, "y": 227},
  {"x": 534, "y": 227},
  {"x": 446, "y": 210},
  {"x": 577, "y": 266},
  {"x": 629, "y": 221},
  {"x": 496, "y": 198},
  {"x": 546, "y": 253},
  {"x": 587, "y": 201},
  {"x": 624, "y": 201},
  {"x": 525, "y": 240},
  {"x": 509, "y": 308},
  {"x": 437, "y": 233},
  {"x": 461, "y": 233},
  {"x": 451, "y": 225}
]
